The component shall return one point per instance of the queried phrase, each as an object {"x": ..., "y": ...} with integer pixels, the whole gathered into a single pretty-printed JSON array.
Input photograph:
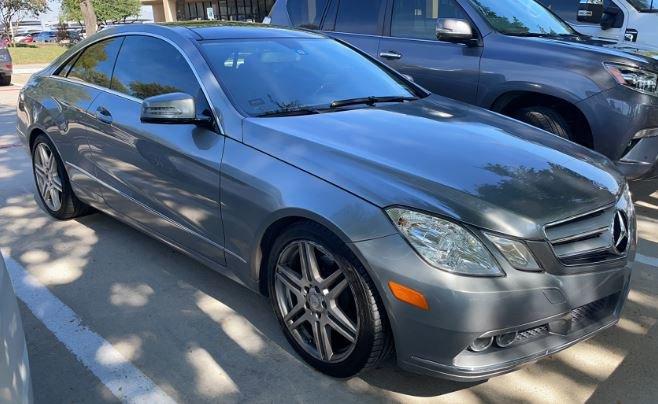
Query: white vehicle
[{"x": 630, "y": 23}]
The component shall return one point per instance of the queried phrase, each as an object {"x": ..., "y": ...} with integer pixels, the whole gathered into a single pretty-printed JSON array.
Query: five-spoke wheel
[
  {"x": 325, "y": 301},
  {"x": 47, "y": 176},
  {"x": 52, "y": 181},
  {"x": 317, "y": 303}
]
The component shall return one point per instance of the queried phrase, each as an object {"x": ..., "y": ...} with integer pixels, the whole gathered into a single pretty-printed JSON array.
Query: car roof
[{"x": 209, "y": 30}]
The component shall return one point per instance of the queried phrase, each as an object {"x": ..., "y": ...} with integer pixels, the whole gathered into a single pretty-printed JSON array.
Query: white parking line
[
  {"x": 124, "y": 380},
  {"x": 646, "y": 260}
]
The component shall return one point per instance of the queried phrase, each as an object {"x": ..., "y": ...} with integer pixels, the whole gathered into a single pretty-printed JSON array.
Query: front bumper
[
  {"x": 615, "y": 117},
  {"x": 462, "y": 309}
]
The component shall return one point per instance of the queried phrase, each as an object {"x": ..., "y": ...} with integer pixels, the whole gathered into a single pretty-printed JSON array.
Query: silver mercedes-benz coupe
[{"x": 377, "y": 217}]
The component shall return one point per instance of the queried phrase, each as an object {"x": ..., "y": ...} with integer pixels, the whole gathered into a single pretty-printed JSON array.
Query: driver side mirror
[
  {"x": 612, "y": 17},
  {"x": 172, "y": 108},
  {"x": 454, "y": 30}
]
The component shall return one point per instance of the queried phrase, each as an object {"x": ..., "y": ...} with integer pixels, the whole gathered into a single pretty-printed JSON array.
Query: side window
[
  {"x": 417, "y": 18},
  {"x": 149, "y": 66},
  {"x": 96, "y": 62},
  {"x": 64, "y": 70},
  {"x": 359, "y": 17},
  {"x": 306, "y": 13}
]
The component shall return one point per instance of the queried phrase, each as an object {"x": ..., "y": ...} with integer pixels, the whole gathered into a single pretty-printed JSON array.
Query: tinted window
[
  {"x": 96, "y": 62},
  {"x": 149, "y": 66},
  {"x": 64, "y": 70},
  {"x": 528, "y": 17},
  {"x": 306, "y": 13},
  {"x": 359, "y": 17},
  {"x": 566, "y": 9},
  {"x": 417, "y": 18},
  {"x": 286, "y": 74}
]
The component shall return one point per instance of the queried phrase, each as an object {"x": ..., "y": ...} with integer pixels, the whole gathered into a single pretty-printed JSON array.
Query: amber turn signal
[{"x": 408, "y": 295}]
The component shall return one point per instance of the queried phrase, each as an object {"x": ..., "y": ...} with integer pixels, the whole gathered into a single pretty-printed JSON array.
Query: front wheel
[
  {"x": 325, "y": 302},
  {"x": 545, "y": 118}
]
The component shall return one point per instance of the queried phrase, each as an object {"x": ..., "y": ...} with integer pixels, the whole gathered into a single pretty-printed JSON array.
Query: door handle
[
  {"x": 390, "y": 55},
  {"x": 103, "y": 115}
]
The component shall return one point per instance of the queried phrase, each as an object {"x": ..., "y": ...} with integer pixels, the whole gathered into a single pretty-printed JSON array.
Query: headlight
[
  {"x": 516, "y": 252},
  {"x": 643, "y": 81},
  {"x": 444, "y": 244}
]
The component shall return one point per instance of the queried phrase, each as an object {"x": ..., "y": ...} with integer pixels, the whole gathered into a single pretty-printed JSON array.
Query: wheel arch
[
  {"x": 511, "y": 101},
  {"x": 279, "y": 222}
]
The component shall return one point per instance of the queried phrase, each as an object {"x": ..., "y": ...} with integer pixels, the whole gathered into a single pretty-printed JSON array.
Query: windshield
[
  {"x": 522, "y": 17},
  {"x": 270, "y": 75},
  {"x": 645, "y": 6}
]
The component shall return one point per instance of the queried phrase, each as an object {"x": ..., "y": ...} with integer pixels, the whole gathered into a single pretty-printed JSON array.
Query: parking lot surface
[{"x": 112, "y": 315}]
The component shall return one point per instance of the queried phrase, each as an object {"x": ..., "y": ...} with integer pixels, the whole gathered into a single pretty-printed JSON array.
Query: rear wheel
[
  {"x": 325, "y": 302},
  {"x": 5, "y": 81},
  {"x": 53, "y": 186},
  {"x": 545, "y": 118}
]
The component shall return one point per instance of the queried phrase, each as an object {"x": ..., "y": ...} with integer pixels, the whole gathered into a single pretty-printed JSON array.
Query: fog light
[
  {"x": 506, "y": 340},
  {"x": 481, "y": 344}
]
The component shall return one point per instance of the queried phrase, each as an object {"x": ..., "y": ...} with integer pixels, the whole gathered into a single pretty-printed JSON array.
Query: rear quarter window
[
  {"x": 306, "y": 13},
  {"x": 95, "y": 64}
]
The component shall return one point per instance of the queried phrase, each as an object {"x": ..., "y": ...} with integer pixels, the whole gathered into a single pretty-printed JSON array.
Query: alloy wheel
[
  {"x": 316, "y": 301},
  {"x": 47, "y": 175}
]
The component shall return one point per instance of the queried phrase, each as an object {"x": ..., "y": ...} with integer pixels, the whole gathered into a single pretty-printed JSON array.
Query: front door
[
  {"x": 412, "y": 48},
  {"x": 164, "y": 177}
]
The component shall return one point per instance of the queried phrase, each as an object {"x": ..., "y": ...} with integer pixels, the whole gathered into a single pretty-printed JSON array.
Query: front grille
[
  {"x": 530, "y": 334},
  {"x": 594, "y": 312},
  {"x": 585, "y": 239},
  {"x": 577, "y": 319}
]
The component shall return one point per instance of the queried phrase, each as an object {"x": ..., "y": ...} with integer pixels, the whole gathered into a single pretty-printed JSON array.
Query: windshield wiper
[
  {"x": 370, "y": 100},
  {"x": 289, "y": 112}
]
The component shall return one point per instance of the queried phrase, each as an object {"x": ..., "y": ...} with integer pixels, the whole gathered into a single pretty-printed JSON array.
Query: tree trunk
[{"x": 88, "y": 14}]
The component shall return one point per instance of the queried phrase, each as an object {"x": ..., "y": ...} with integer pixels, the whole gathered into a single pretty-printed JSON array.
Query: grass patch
[{"x": 38, "y": 54}]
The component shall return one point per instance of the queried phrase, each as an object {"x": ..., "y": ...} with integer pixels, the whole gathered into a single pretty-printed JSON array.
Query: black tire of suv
[
  {"x": 71, "y": 207},
  {"x": 374, "y": 342},
  {"x": 5, "y": 81},
  {"x": 545, "y": 118}
]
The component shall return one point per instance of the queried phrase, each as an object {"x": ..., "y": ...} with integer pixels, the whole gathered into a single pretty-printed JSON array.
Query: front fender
[{"x": 259, "y": 190}]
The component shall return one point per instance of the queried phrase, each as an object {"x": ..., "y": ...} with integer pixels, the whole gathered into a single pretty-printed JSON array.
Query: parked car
[
  {"x": 6, "y": 66},
  {"x": 628, "y": 22},
  {"x": 46, "y": 37},
  {"x": 372, "y": 212},
  {"x": 21, "y": 37},
  {"x": 29, "y": 38},
  {"x": 15, "y": 381},
  {"x": 510, "y": 56}
]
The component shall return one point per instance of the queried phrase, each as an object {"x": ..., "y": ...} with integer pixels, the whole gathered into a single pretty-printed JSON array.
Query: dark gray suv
[{"x": 511, "y": 56}]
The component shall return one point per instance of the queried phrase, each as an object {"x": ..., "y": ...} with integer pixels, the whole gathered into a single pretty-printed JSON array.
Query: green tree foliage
[
  {"x": 107, "y": 11},
  {"x": 13, "y": 11}
]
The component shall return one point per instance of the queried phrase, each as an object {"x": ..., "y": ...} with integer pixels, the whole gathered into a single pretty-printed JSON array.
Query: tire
[
  {"x": 372, "y": 341},
  {"x": 545, "y": 118},
  {"x": 69, "y": 205},
  {"x": 5, "y": 81}
]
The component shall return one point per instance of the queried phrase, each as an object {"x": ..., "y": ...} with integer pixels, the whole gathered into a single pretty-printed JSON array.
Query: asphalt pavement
[{"x": 113, "y": 315}]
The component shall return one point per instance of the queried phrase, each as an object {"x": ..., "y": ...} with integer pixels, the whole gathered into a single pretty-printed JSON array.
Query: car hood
[
  {"x": 445, "y": 157},
  {"x": 599, "y": 49}
]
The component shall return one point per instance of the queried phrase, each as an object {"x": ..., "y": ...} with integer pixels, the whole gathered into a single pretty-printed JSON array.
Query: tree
[
  {"x": 14, "y": 11},
  {"x": 106, "y": 11},
  {"x": 87, "y": 14}
]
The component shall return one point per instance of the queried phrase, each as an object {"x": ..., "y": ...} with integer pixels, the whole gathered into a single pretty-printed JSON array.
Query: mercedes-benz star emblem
[{"x": 619, "y": 232}]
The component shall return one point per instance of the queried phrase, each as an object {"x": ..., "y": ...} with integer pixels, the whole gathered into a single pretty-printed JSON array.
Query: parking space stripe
[
  {"x": 646, "y": 260},
  {"x": 124, "y": 380}
]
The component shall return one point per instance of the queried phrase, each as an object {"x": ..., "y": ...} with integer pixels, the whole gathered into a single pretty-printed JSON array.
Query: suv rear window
[
  {"x": 306, "y": 13},
  {"x": 359, "y": 17}
]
